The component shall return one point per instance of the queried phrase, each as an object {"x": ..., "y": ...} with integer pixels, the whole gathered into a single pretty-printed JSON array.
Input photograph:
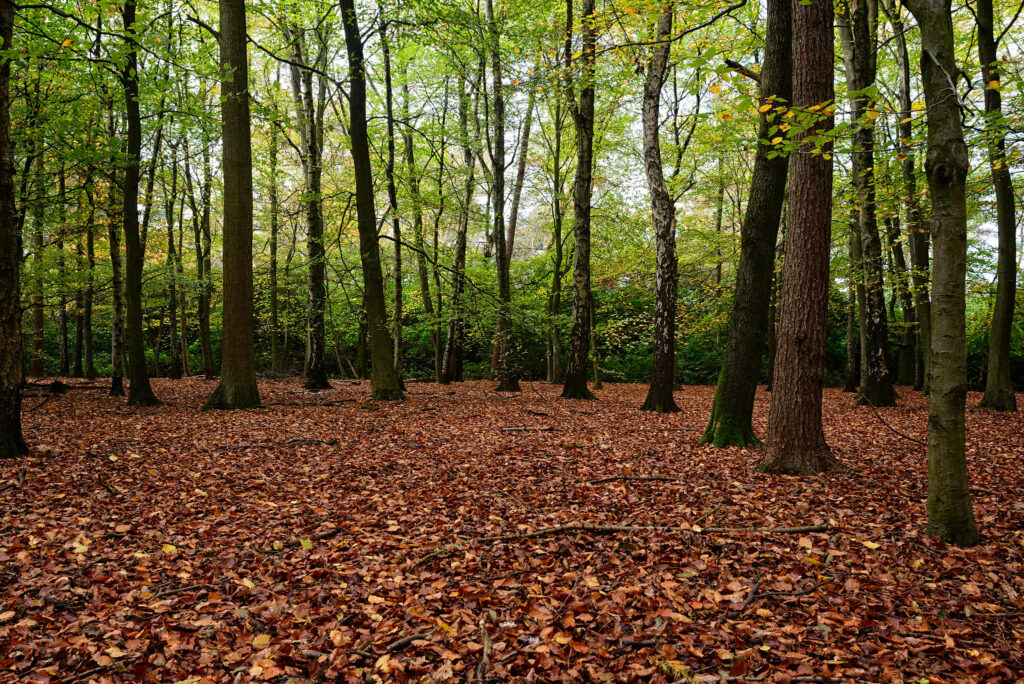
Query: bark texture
[
  {"x": 731, "y": 414},
  {"x": 384, "y": 379},
  {"x": 795, "y": 443},
  {"x": 237, "y": 388},
  {"x": 663, "y": 211},
  {"x": 950, "y": 513},
  {"x": 12, "y": 441}
]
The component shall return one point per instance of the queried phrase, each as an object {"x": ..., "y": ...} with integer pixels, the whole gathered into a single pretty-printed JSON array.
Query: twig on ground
[
  {"x": 638, "y": 643},
  {"x": 400, "y": 644},
  {"x": 751, "y": 595},
  {"x": 106, "y": 485},
  {"x": 528, "y": 428},
  {"x": 634, "y": 478},
  {"x": 894, "y": 430}
]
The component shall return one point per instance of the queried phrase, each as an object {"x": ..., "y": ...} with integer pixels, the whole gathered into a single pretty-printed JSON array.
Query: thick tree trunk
[
  {"x": 508, "y": 378},
  {"x": 731, "y": 414},
  {"x": 859, "y": 32},
  {"x": 663, "y": 213},
  {"x": 999, "y": 393},
  {"x": 237, "y": 388},
  {"x": 795, "y": 443},
  {"x": 12, "y": 441},
  {"x": 140, "y": 393},
  {"x": 575, "y": 385},
  {"x": 950, "y": 513},
  {"x": 384, "y": 380}
]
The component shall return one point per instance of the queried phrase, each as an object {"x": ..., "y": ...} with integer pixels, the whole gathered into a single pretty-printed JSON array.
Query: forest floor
[{"x": 329, "y": 537}]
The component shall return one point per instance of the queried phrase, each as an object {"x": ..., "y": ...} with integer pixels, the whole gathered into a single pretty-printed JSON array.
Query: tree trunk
[
  {"x": 117, "y": 287},
  {"x": 575, "y": 386},
  {"x": 859, "y": 32},
  {"x": 555, "y": 295},
  {"x": 38, "y": 317},
  {"x": 12, "y": 441},
  {"x": 64, "y": 356},
  {"x": 203, "y": 240},
  {"x": 508, "y": 377},
  {"x": 663, "y": 212},
  {"x": 906, "y": 363},
  {"x": 795, "y": 443},
  {"x": 384, "y": 380},
  {"x": 730, "y": 423},
  {"x": 77, "y": 370},
  {"x": 237, "y": 388},
  {"x": 172, "y": 271},
  {"x": 396, "y": 225},
  {"x": 999, "y": 393},
  {"x": 855, "y": 284},
  {"x": 453, "y": 341},
  {"x": 87, "y": 346},
  {"x": 276, "y": 362},
  {"x": 139, "y": 391},
  {"x": 950, "y": 513}
]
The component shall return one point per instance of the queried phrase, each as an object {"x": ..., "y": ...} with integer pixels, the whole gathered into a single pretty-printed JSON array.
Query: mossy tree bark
[
  {"x": 950, "y": 513},
  {"x": 731, "y": 414},
  {"x": 663, "y": 211},
  {"x": 575, "y": 383},
  {"x": 795, "y": 443},
  {"x": 384, "y": 379},
  {"x": 12, "y": 440},
  {"x": 999, "y": 394},
  {"x": 237, "y": 388}
]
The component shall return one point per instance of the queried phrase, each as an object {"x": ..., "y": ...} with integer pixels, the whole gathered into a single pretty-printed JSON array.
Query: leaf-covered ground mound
[{"x": 328, "y": 537}]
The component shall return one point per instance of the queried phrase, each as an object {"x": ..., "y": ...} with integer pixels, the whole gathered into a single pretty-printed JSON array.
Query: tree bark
[
  {"x": 950, "y": 513},
  {"x": 90, "y": 253},
  {"x": 62, "y": 269},
  {"x": 854, "y": 291},
  {"x": 276, "y": 361},
  {"x": 730, "y": 423},
  {"x": 140, "y": 393},
  {"x": 663, "y": 213},
  {"x": 117, "y": 289},
  {"x": 172, "y": 270},
  {"x": 858, "y": 28},
  {"x": 575, "y": 385},
  {"x": 555, "y": 294},
  {"x": 396, "y": 225},
  {"x": 237, "y": 388},
  {"x": 795, "y": 443},
  {"x": 999, "y": 394},
  {"x": 384, "y": 378},
  {"x": 12, "y": 440},
  {"x": 38, "y": 312},
  {"x": 508, "y": 378}
]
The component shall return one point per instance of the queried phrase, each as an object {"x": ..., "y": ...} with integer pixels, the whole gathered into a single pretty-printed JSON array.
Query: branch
[{"x": 743, "y": 71}]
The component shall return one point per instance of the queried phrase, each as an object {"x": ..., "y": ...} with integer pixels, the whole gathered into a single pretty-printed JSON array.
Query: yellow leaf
[
  {"x": 67, "y": 43},
  {"x": 993, "y": 84},
  {"x": 445, "y": 626},
  {"x": 260, "y": 642},
  {"x": 374, "y": 599},
  {"x": 716, "y": 89},
  {"x": 871, "y": 114},
  {"x": 727, "y": 117},
  {"x": 776, "y": 140},
  {"x": 169, "y": 548},
  {"x": 871, "y": 545},
  {"x": 764, "y": 108}
]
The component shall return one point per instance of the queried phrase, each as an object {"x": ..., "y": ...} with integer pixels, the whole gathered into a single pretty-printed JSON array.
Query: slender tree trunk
[
  {"x": 859, "y": 31},
  {"x": 999, "y": 394},
  {"x": 62, "y": 270},
  {"x": 38, "y": 313},
  {"x": 575, "y": 386},
  {"x": 276, "y": 362},
  {"x": 855, "y": 283},
  {"x": 117, "y": 287},
  {"x": 140, "y": 393},
  {"x": 12, "y": 441},
  {"x": 730, "y": 423},
  {"x": 452, "y": 346},
  {"x": 795, "y": 443},
  {"x": 384, "y": 380},
  {"x": 90, "y": 252},
  {"x": 77, "y": 370},
  {"x": 950, "y": 513},
  {"x": 237, "y": 388},
  {"x": 508, "y": 377},
  {"x": 663, "y": 211},
  {"x": 555, "y": 295},
  {"x": 172, "y": 271},
  {"x": 907, "y": 357}
]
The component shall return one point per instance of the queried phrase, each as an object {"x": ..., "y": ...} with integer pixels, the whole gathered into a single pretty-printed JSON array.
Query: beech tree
[
  {"x": 950, "y": 513},
  {"x": 237, "y": 388}
]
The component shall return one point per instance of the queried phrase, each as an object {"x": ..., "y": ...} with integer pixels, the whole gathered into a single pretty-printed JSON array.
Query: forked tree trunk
[
  {"x": 795, "y": 443},
  {"x": 950, "y": 513},
  {"x": 575, "y": 385},
  {"x": 384, "y": 379},
  {"x": 730, "y": 423},
  {"x": 237, "y": 388},
  {"x": 999, "y": 393},
  {"x": 12, "y": 441},
  {"x": 663, "y": 212}
]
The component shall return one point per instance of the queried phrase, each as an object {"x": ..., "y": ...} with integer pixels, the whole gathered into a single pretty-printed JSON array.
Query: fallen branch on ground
[
  {"x": 527, "y": 428},
  {"x": 617, "y": 529},
  {"x": 751, "y": 595},
  {"x": 636, "y": 478},
  {"x": 405, "y": 641}
]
